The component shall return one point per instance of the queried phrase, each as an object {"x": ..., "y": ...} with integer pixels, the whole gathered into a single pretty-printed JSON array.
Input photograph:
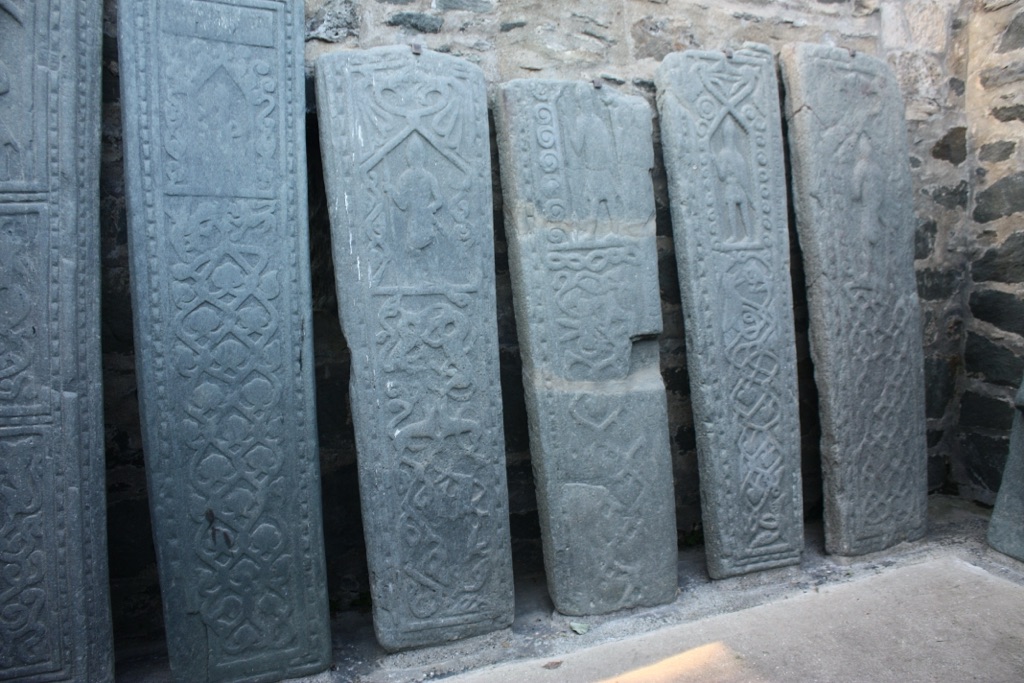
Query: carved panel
[
  {"x": 855, "y": 219},
  {"x": 214, "y": 143},
  {"x": 580, "y": 223},
  {"x": 54, "y": 602},
  {"x": 407, "y": 166},
  {"x": 722, "y": 141}
]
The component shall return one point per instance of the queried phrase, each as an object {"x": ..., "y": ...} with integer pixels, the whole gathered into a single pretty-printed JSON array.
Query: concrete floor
[
  {"x": 947, "y": 608},
  {"x": 940, "y": 620}
]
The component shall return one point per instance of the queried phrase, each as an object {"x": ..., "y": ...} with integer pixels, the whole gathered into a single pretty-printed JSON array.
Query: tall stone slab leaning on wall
[
  {"x": 54, "y": 602},
  {"x": 214, "y": 147},
  {"x": 579, "y": 210},
  {"x": 722, "y": 140},
  {"x": 854, "y": 214},
  {"x": 1006, "y": 529},
  {"x": 408, "y": 175}
]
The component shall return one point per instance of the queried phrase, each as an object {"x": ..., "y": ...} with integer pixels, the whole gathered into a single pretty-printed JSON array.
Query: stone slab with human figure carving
[
  {"x": 407, "y": 168},
  {"x": 722, "y": 141},
  {"x": 579, "y": 217},
  {"x": 854, "y": 207}
]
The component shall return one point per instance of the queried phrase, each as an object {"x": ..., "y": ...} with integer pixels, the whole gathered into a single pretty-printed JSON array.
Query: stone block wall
[
  {"x": 964, "y": 115},
  {"x": 993, "y": 245}
]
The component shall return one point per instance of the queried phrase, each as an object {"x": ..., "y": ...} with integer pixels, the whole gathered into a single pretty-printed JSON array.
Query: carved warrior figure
[
  {"x": 1006, "y": 529},
  {"x": 854, "y": 214},
  {"x": 722, "y": 141},
  {"x": 580, "y": 220},
  {"x": 214, "y": 167},
  {"x": 54, "y": 601},
  {"x": 407, "y": 170}
]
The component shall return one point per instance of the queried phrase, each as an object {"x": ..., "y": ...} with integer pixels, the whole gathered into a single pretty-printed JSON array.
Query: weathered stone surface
[
  {"x": 722, "y": 143},
  {"x": 995, "y": 363},
  {"x": 852, "y": 199},
  {"x": 1002, "y": 309},
  {"x": 934, "y": 284},
  {"x": 1003, "y": 198},
  {"x": 995, "y": 152},
  {"x": 416, "y": 21},
  {"x": 979, "y": 411},
  {"x": 1002, "y": 263},
  {"x": 1006, "y": 528},
  {"x": 952, "y": 147},
  {"x": 214, "y": 147},
  {"x": 579, "y": 210},
  {"x": 54, "y": 602},
  {"x": 1012, "y": 112},
  {"x": 1004, "y": 74},
  {"x": 940, "y": 384},
  {"x": 407, "y": 169},
  {"x": 1013, "y": 37}
]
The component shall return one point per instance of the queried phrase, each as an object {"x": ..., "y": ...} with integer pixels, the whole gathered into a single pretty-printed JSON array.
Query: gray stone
[
  {"x": 408, "y": 177},
  {"x": 1006, "y": 528},
  {"x": 335, "y": 21},
  {"x": 1005, "y": 310},
  {"x": 994, "y": 152},
  {"x": 1003, "y": 198},
  {"x": 1002, "y": 263},
  {"x": 924, "y": 239},
  {"x": 951, "y": 196},
  {"x": 940, "y": 384},
  {"x": 978, "y": 411},
  {"x": 1005, "y": 74},
  {"x": 1012, "y": 112},
  {"x": 722, "y": 142},
  {"x": 54, "y": 601},
  {"x": 214, "y": 147},
  {"x": 579, "y": 208},
  {"x": 996, "y": 363},
  {"x": 935, "y": 284},
  {"x": 952, "y": 147},
  {"x": 855, "y": 220},
  {"x": 416, "y": 21},
  {"x": 1013, "y": 37}
]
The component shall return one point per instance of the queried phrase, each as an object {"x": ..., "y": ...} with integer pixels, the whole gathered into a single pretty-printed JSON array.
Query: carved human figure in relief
[
  {"x": 594, "y": 145},
  {"x": 417, "y": 194},
  {"x": 867, "y": 195},
  {"x": 732, "y": 171}
]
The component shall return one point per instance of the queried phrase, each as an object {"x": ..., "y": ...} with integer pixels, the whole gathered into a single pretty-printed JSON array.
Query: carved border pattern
[
  {"x": 62, "y": 635},
  {"x": 760, "y": 487},
  {"x": 439, "y": 438},
  {"x": 236, "y": 534}
]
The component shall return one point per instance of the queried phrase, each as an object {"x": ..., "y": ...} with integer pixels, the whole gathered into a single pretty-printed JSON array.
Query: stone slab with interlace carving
[
  {"x": 854, "y": 208},
  {"x": 722, "y": 141},
  {"x": 579, "y": 216},
  {"x": 408, "y": 175},
  {"x": 54, "y": 599},
  {"x": 214, "y": 144}
]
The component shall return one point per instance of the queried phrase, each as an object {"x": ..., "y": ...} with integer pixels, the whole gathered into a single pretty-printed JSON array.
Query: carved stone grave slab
[
  {"x": 407, "y": 169},
  {"x": 855, "y": 219},
  {"x": 579, "y": 209},
  {"x": 54, "y": 600},
  {"x": 1006, "y": 529},
  {"x": 214, "y": 146},
  {"x": 722, "y": 141}
]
